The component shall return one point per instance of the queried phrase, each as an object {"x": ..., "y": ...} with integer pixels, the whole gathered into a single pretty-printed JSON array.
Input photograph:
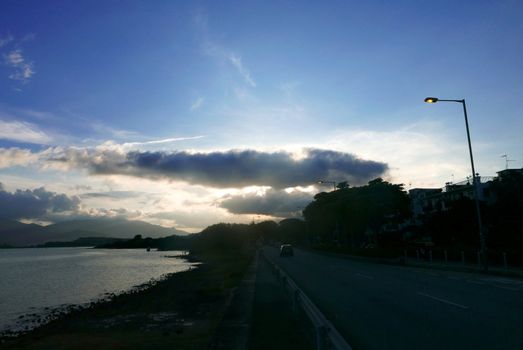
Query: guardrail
[{"x": 327, "y": 337}]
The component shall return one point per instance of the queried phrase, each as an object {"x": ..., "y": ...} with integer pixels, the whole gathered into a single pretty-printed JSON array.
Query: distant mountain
[
  {"x": 83, "y": 242},
  {"x": 7, "y": 225},
  {"x": 14, "y": 233},
  {"x": 19, "y": 234}
]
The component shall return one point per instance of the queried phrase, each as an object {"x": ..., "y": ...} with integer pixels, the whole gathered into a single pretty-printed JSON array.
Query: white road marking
[
  {"x": 503, "y": 280},
  {"x": 443, "y": 300},
  {"x": 508, "y": 284},
  {"x": 507, "y": 288},
  {"x": 365, "y": 276}
]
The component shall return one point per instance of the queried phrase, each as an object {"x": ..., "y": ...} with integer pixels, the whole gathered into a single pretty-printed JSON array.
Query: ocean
[{"x": 35, "y": 281}]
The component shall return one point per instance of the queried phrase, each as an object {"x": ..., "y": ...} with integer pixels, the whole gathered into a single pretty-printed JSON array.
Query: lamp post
[
  {"x": 482, "y": 240},
  {"x": 328, "y": 182}
]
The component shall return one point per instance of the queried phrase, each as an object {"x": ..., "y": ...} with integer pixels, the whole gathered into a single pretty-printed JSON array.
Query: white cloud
[
  {"x": 149, "y": 145},
  {"x": 165, "y": 202},
  {"x": 22, "y": 69},
  {"x": 421, "y": 154},
  {"x": 22, "y": 132},
  {"x": 104, "y": 129},
  {"x": 425, "y": 154},
  {"x": 232, "y": 58},
  {"x": 14, "y": 58},
  {"x": 16, "y": 156},
  {"x": 159, "y": 142},
  {"x": 29, "y": 113},
  {"x": 6, "y": 40},
  {"x": 244, "y": 72},
  {"x": 197, "y": 104},
  {"x": 212, "y": 48},
  {"x": 23, "y": 73}
]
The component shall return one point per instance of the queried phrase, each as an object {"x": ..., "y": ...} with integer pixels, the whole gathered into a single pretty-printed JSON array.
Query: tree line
[{"x": 373, "y": 216}]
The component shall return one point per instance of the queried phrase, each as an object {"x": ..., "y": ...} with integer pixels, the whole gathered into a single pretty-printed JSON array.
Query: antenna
[{"x": 507, "y": 160}]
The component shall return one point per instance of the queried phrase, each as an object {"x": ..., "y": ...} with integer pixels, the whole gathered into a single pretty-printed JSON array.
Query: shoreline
[
  {"x": 183, "y": 307},
  {"x": 32, "y": 321},
  {"x": 50, "y": 314}
]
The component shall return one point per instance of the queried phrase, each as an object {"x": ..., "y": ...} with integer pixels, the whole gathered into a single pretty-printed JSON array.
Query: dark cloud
[
  {"x": 112, "y": 194},
  {"x": 274, "y": 202},
  {"x": 94, "y": 213},
  {"x": 232, "y": 168},
  {"x": 34, "y": 204},
  {"x": 188, "y": 220},
  {"x": 82, "y": 188}
]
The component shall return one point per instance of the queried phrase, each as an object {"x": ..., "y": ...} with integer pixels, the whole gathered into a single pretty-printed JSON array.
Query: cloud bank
[
  {"x": 273, "y": 202},
  {"x": 34, "y": 204},
  {"x": 228, "y": 169}
]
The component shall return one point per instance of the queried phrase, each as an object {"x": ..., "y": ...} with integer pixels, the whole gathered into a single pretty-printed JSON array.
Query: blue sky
[{"x": 347, "y": 76}]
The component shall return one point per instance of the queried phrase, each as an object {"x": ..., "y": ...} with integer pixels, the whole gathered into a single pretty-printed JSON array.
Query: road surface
[{"x": 376, "y": 306}]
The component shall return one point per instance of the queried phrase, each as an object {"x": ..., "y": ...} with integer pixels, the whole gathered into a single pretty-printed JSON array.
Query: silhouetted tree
[
  {"x": 456, "y": 226},
  {"x": 292, "y": 231},
  {"x": 505, "y": 216},
  {"x": 343, "y": 185},
  {"x": 348, "y": 214}
]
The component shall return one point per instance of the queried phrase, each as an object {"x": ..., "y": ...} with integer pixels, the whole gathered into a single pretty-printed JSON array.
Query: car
[{"x": 286, "y": 250}]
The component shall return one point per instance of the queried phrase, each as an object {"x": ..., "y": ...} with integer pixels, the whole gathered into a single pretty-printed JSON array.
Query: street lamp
[
  {"x": 328, "y": 182},
  {"x": 431, "y": 99},
  {"x": 482, "y": 240}
]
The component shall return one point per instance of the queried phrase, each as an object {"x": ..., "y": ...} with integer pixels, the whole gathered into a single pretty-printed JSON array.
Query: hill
[
  {"x": 18, "y": 234},
  {"x": 82, "y": 242}
]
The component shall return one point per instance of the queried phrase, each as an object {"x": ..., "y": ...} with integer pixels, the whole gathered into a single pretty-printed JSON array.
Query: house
[{"x": 429, "y": 200}]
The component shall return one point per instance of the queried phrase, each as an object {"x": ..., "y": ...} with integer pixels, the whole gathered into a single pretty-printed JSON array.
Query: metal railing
[
  {"x": 326, "y": 336},
  {"x": 456, "y": 257}
]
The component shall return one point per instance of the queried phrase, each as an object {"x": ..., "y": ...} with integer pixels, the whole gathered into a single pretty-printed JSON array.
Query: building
[
  {"x": 509, "y": 173},
  {"x": 429, "y": 200}
]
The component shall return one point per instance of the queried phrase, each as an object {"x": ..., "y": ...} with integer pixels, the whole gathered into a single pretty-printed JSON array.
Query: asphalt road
[{"x": 376, "y": 306}]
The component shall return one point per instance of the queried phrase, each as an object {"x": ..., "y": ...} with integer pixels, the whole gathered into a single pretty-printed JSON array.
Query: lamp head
[{"x": 431, "y": 99}]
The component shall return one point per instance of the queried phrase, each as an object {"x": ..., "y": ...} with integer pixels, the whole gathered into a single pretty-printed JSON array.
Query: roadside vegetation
[{"x": 376, "y": 220}]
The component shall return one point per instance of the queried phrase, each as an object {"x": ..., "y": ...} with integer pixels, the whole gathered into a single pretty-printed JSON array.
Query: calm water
[{"x": 34, "y": 279}]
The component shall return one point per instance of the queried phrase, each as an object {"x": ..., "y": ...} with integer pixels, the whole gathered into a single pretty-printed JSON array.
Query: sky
[{"x": 186, "y": 114}]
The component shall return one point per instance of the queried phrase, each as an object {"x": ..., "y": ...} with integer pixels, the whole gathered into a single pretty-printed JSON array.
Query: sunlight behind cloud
[{"x": 420, "y": 154}]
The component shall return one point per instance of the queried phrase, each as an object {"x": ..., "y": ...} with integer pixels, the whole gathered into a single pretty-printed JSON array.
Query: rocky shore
[{"x": 181, "y": 310}]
